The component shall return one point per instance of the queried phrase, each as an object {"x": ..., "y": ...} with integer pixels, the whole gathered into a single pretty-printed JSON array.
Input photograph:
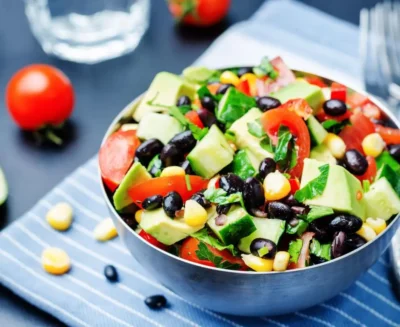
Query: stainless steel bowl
[{"x": 250, "y": 293}]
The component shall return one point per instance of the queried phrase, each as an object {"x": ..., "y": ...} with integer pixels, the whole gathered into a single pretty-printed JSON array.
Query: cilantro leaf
[
  {"x": 230, "y": 136},
  {"x": 266, "y": 144},
  {"x": 334, "y": 126},
  {"x": 204, "y": 91},
  {"x": 295, "y": 249},
  {"x": 184, "y": 109},
  {"x": 202, "y": 235},
  {"x": 242, "y": 166},
  {"x": 203, "y": 253},
  {"x": 197, "y": 132},
  {"x": 322, "y": 251},
  {"x": 330, "y": 123},
  {"x": 188, "y": 184},
  {"x": 155, "y": 166},
  {"x": 293, "y": 158},
  {"x": 265, "y": 69},
  {"x": 299, "y": 229},
  {"x": 282, "y": 147},
  {"x": 318, "y": 212},
  {"x": 255, "y": 128},
  {"x": 219, "y": 196},
  {"x": 315, "y": 187}
]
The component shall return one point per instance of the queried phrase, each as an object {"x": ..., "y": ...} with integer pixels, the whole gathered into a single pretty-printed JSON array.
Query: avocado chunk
[
  {"x": 165, "y": 89},
  {"x": 211, "y": 154},
  {"x": 239, "y": 224},
  {"x": 301, "y": 89},
  {"x": 166, "y": 230},
  {"x": 317, "y": 132},
  {"x": 270, "y": 229},
  {"x": 323, "y": 154},
  {"x": 3, "y": 188},
  {"x": 386, "y": 158},
  {"x": 160, "y": 126},
  {"x": 198, "y": 75},
  {"x": 244, "y": 140},
  {"x": 135, "y": 175},
  {"x": 381, "y": 200},
  {"x": 343, "y": 191}
]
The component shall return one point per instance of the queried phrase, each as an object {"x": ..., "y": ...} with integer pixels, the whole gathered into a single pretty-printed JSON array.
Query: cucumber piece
[
  {"x": 239, "y": 224},
  {"x": 197, "y": 75},
  {"x": 3, "y": 188},
  {"x": 317, "y": 132},
  {"x": 211, "y": 154},
  {"x": 322, "y": 153},
  {"x": 386, "y": 158},
  {"x": 270, "y": 229},
  {"x": 159, "y": 126},
  {"x": 381, "y": 200},
  {"x": 392, "y": 177}
]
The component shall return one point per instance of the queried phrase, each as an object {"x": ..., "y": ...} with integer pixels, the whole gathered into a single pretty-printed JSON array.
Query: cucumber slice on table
[{"x": 3, "y": 188}]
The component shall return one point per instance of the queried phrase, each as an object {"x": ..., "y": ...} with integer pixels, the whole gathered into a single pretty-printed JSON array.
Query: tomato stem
[{"x": 49, "y": 134}]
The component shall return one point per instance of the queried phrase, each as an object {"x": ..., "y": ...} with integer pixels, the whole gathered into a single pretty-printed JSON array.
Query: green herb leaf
[
  {"x": 318, "y": 212},
  {"x": 233, "y": 106},
  {"x": 188, "y": 184},
  {"x": 293, "y": 158},
  {"x": 335, "y": 126},
  {"x": 230, "y": 136},
  {"x": 197, "y": 132},
  {"x": 366, "y": 185},
  {"x": 295, "y": 249},
  {"x": 184, "y": 109},
  {"x": 202, "y": 235},
  {"x": 219, "y": 196},
  {"x": 203, "y": 253},
  {"x": 155, "y": 165},
  {"x": 282, "y": 148},
  {"x": 255, "y": 128},
  {"x": 299, "y": 229},
  {"x": 265, "y": 69},
  {"x": 204, "y": 91},
  {"x": 322, "y": 251},
  {"x": 315, "y": 187},
  {"x": 242, "y": 165},
  {"x": 266, "y": 144},
  {"x": 330, "y": 123}
]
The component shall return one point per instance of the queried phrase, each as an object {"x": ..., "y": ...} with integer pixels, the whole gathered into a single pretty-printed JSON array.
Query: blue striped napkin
[{"x": 83, "y": 297}]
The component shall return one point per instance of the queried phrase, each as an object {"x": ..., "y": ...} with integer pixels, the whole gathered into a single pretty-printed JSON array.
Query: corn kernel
[
  {"x": 366, "y": 232},
  {"x": 195, "y": 214},
  {"x": 60, "y": 216},
  {"x": 228, "y": 77},
  {"x": 377, "y": 224},
  {"x": 172, "y": 171},
  {"x": 335, "y": 145},
  {"x": 257, "y": 263},
  {"x": 276, "y": 186},
  {"x": 281, "y": 261},
  {"x": 129, "y": 127},
  {"x": 55, "y": 261},
  {"x": 138, "y": 216},
  {"x": 105, "y": 230},
  {"x": 373, "y": 145},
  {"x": 252, "y": 80}
]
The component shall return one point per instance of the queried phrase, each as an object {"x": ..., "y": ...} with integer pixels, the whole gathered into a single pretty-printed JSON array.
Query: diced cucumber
[
  {"x": 392, "y": 177},
  {"x": 211, "y": 154},
  {"x": 317, "y": 132},
  {"x": 386, "y": 158},
  {"x": 322, "y": 153},
  {"x": 239, "y": 224},
  {"x": 3, "y": 188}
]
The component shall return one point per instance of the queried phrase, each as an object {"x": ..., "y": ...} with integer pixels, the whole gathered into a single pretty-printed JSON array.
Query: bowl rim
[{"x": 131, "y": 106}]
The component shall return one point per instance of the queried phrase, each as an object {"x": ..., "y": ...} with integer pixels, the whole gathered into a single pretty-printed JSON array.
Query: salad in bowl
[{"x": 253, "y": 168}]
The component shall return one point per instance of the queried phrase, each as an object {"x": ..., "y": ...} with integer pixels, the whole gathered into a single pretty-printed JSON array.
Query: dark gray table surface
[{"x": 101, "y": 91}]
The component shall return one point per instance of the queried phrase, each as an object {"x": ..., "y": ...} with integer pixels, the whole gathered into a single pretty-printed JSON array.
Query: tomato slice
[
  {"x": 371, "y": 111},
  {"x": 152, "y": 240},
  {"x": 299, "y": 106},
  {"x": 116, "y": 156},
  {"x": 272, "y": 119},
  {"x": 322, "y": 116},
  {"x": 294, "y": 185},
  {"x": 315, "y": 80},
  {"x": 371, "y": 171},
  {"x": 163, "y": 185},
  {"x": 213, "y": 88},
  {"x": 356, "y": 100},
  {"x": 191, "y": 245},
  {"x": 244, "y": 87},
  {"x": 193, "y": 116},
  {"x": 389, "y": 135},
  {"x": 338, "y": 92}
]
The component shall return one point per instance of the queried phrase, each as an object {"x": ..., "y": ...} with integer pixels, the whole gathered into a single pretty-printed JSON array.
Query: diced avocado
[
  {"x": 160, "y": 126},
  {"x": 244, "y": 140},
  {"x": 322, "y": 153},
  {"x": 239, "y": 224},
  {"x": 165, "y": 89},
  {"x": 301, "y": 89},
  {"x": 343, "y": 192},
  {"x": 166, "y": 230},
  {"x": 3, "y": 188},
  {"x": 211, "y": 154},
  {"x": 233, "y": 105},
  {"x": 270, "y": 229},
  {"x": 135, "y": 175},
  {"x": 386, "y": 158},
  {"x": 381, "y": 200},
  {"x": 196, "y": 74},
  {"x": 243, "y": 164},
  {"x": 317, "y": 131},
  {"x": 392, "y": 177}
]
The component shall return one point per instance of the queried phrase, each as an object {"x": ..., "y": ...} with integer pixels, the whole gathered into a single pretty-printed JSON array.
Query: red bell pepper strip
[
  {"x": 193, "y": 116},
  {"x": 338, "y": 92},
  {"x": 152, "y": 240}
]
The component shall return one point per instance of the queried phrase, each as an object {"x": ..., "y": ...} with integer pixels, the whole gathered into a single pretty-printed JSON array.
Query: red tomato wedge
[
  {"x": 315, "y": 80},
  {"x": 371, "y": 171},
  {"x": 356, "y": 100},
  {"x": 152, "y": 240},
  {"x": 294, "y": 185},
  {"x": 304, "y": 256},
  {"x": 299, "y": 106},
  {"x": 272, "y": 119},
  {"x": 193, "y": 116},
  {"x": 389, "y": 135},
  {"x": 116, "y": 156},
  {"x": 163, "y": 185},
  {"x": 244, "y": 87},
  {"x": 338, "y": 92},
  {"x": 191, "y": 245},
  {"x": 322, "y": 116}
]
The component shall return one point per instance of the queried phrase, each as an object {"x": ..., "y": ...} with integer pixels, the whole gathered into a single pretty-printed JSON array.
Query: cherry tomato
[
  {"x": 152, "y": 240},
  {"x": 322, "y": 116},
  {"x": 315, "y": 80},
  {"x": 274, "y": 118},
  {"x": 294, "y": 185},
  {"x": 338, "y": 92},
  {"x": 163, "y": 185},
  {"x": 116, "y": 156},
  {"x": 39, "y": 95},
  {"x": 213, "y": 88},
  {"x": 371, "y": 111},
  {"x": 300, "y": 107},
  {"x": 199, "y": 12},
  {"x": 371, "y": 171},
  {"x": 389, "y": 135},
  {"x": 355, "y": 100},
  {"x": 191, "y": 245},
  {"x": 193, "y": 116}
]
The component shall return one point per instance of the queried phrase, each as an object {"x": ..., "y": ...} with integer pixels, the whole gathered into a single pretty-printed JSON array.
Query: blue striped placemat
[{"x": 83, "y": 297}]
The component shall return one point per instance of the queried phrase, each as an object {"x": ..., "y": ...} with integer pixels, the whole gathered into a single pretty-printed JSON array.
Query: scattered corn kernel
[
  {"x": 55, "y": 261},
  {"x": 228, "y": 77},
  {"x": 60, "y": 216},
  {"x": 276, "y": 186},
  {"x": 257, "y": 263},
  {"x": 335, "y": 145},
  {"x": 129, "y": 127},
  {"x": 252, "y": 80},
  {"x": 377, "y": 224},
  {"x": 138, "y": 216},
  {"x": 172, "y": 171},
  {"x": 366, "y": 232},
  {"x": 281, "y": 261},
  {"x": 105, "y": 230},
  {"x": 195, "y": 214},
  {"x": 373, "y": 145}
]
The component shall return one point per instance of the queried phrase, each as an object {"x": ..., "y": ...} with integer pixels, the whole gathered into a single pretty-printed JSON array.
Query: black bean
[
  {"x": 111, "y": 273},
  {"x": 293, "y": 222},
  {"x": 321, "y": 230},
  {"x": 201, "y": 199},
  {"x": 184, "y": 141},
  {"x": 394, "y": 151},
  {"x": 338, "y": 247},
  {"x": 231, "y": 183},
  {"x": 298, "y": 210},
  {"x": 291, "y": 201},
  {"x": 221, "y": 220},
  {"x": 267, "y": 103},
  {"x": 334, "y": 107},
  {"x": 355, "y": 162},
  {"x": 315, "y": 260},
  {"x": 184, "y": 100},
  {"x": 187, "y": 168},
  {"x": 208, "y": 103},
  {"x": 380, "y": 122},
  {"x": 152, "y": 202},
  {"x": 172, "y": 203},
  {"x": 223, "y": 88},
  {"x": 279, "y": 210},
  {"x": 207, "y": 117},
  {"x": 268, "y": 165},
  {"x": 253, "y": 193},
  {"x": 170, "y": 155},
  {"x": 148, "y": 150},
  {"x": 261, "y": 247},
  {"x": 156, "y": 301},
  {"x": 244, "y": 70},
  {"x": 345, "y": 223},
  {"x": 354, "y": 241},
  {"x": 223, "y": 209}
]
